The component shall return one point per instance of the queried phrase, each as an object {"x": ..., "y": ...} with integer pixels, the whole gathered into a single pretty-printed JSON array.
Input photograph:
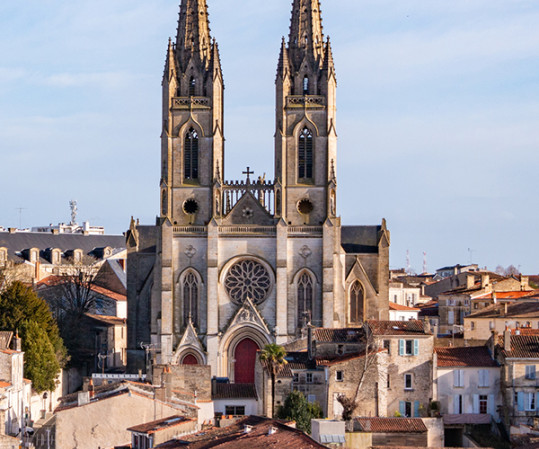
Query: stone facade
[{"x": 278, "y": 243}]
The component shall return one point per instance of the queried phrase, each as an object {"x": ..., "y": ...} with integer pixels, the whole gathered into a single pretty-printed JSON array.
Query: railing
[
  {"x": 234, "y": 230},
  {"x": 190, "y": 229},
  {"x": 191, "y": 103},
  {"x": 263, "y": 191},
  {"x": 305, "y": 101},
  {"x": 306, "y": 230}
]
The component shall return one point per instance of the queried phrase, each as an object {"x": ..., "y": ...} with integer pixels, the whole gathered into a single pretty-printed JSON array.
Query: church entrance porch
[{"x": 244, "y": 361}]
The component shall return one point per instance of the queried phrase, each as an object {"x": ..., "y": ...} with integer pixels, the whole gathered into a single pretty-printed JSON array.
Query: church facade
[{"x": 231, "y": 266}]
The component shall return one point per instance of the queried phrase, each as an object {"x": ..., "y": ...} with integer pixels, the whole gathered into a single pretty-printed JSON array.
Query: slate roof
[
  {"x": 360, "y": 239},
  {"x": 160, "y": 424},
  {"x": 522, "y": 346},
  {"x": 520, "y": 309},
  {"x": 397, "y": 328},
  {"x": 235, "y": 437},
  {"x": 389, "y": 425},
  {"x": 233, "y": 391},
  {"x": 20, "y": 241},
  {"x": 346, "y": 335},
  {"x": 472, "y": 356}
]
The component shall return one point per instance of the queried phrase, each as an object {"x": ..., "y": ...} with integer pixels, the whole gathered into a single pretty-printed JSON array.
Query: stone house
[
  {"x": 519, "y": 357},
  {"x": 467, "y": 382},
  {"x": 398, "y": 312},
  {"x": 522, "y": 314},
  {"x": 409, "y": 366},
  {"x": 234, "y": 399},
  {"x": 404, "y": 294},
  {"x": 108, "y": 342},
  {"x": 370, "y": 432}
]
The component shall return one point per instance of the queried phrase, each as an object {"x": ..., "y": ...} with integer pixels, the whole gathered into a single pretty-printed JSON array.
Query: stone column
[{"x": 281, "y": 282}]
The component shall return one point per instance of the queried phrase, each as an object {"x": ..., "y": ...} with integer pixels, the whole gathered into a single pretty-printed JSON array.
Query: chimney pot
[{"x": 507, "y": 340}]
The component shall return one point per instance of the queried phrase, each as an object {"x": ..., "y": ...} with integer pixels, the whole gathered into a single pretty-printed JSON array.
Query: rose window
[{"x": 248, "y": 279}]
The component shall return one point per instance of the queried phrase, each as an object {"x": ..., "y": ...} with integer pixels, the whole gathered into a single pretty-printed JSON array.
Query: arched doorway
[
  {"x": 245, "y": 358},
  {"x": 189, "y": 359}
]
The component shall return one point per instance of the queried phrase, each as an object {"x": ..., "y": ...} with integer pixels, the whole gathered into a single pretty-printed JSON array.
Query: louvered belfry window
[
  {"x": 191, "y": 155},
  {"x": 305, "y": 155}
]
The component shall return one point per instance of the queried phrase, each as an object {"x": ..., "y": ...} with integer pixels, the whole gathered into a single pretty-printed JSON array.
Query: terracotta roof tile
[
  {"x": 234, "y": 391},
  {"x": 394, "y": 306},
  {"x": 347, "y": 335},
  {"x": 411, "y": 327},
  {"x": 510, "y": 295},
  {"x": 389, "y": 425},
  {"x": 235, "y": 437},
  {"x": 4, "y": 384},
  {"x": 522, "y": 346},
  {"x": 473, "y": 356},
  {"x": 516, "y": 309}
]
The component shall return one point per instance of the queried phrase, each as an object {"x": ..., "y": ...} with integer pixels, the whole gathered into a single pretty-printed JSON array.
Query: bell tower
[
  {"x": 192, "y": 136},
  {"x": 305, "y": 137}
]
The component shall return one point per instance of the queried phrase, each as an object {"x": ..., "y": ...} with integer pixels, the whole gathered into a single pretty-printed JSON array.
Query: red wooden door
[
  {"x": 245, "y": 357},
  {"x": 190, "y": 359}
]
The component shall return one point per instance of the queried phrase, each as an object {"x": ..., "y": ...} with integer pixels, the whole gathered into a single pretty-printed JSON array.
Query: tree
[
  {"x": 40, "y": 362},
  {"x": 273, "y": 359},
  {"x": 21, "y": 309},
  {"x": 297, "y": 408},
  {"x": 370, "y": 358}
]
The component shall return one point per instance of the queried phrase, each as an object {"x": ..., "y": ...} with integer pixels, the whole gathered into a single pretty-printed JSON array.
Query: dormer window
[
  {"x": 33, "y": 256},
  {"x": 56, "y": 257}
]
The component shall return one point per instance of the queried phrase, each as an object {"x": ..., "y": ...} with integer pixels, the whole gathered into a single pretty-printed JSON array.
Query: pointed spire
[
  {"x": 170, "y": 65},
  {"x": 306, "y": 36},
  {"x": 216, "y": 57},
  {"x": 193, "y": 38},
  {"x": 284, "y": 63},
  {"x": 328, "y": 57}
]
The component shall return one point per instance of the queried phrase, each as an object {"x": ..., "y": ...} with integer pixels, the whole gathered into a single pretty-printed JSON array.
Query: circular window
[
  {"x": 305, "y": 206},
  {"x": 190, "y": 207},
  {"x": 248, "y": 279}
]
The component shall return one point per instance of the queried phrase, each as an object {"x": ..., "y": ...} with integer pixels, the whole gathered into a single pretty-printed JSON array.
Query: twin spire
[
  {"x": 306, "y": 33},
  {"x": 193, "y": 37}
]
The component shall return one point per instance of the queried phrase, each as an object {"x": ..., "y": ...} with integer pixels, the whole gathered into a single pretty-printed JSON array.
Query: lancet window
[
  {"x": 306, "y": 85},
  {"x": 305, "y": 299},
  {"x": 357, "y": 301},
  {"x": 305, "y": 154},
  {"x": 190, "y": 157},
  {"x": 192, "y": 87},
  {"x": 190, "y": 291}
]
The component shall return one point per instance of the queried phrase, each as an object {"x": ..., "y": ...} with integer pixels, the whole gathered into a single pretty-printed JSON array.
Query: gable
[{"x": 248, "y": 211}]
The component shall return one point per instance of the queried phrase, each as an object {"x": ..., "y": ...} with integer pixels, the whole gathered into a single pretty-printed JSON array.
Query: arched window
[
  {"x": 190, "y": 156},
  {"x": 357, "y": 300},
  {"x": 306, "y": 85},
  {"x": 305, "y": 299},
  {"x": 305, "y": 154},
  {"x": 192, "y": 87},
  {"x": 190, "y": 299}
]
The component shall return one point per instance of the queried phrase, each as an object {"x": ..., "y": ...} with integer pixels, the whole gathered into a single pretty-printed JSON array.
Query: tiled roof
[
  {"x": 522, "y": 346},
  {"x": 108, "y": 320},
  {"x": 235, "y": 437},
  {"x": 389, "y": 425},
  {"x": 525, "y": 331},
  {"x": 4, "y": 384},
  {"x": 473, "y": 356},
  {"x": 394, "y": 306},
  {"x": 347, "y": 335},
  {"x": 344, "y": 358},
  {"x": 233, "y": 391},
  {"x": 517, "y": 309},
  {"x": 411, "y": 327},
  {"x": 160, "y": 424},
  {"x": 52, "y": 281},
  {"x": 509, "y": 295}
]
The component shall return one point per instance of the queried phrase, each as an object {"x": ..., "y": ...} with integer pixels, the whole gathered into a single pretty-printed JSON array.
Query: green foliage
[
  {"x": 273, "y": 358},
  {"x": 40, "y": 363},
  {"x": 21, "y": 309},
  {"x": 297, "y": 408}
]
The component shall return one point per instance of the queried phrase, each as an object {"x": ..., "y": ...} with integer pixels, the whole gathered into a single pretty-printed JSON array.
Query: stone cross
[{"x": 248, "y": 173}]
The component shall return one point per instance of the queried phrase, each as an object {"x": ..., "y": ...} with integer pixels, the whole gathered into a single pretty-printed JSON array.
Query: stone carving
[
  {"x": 305, "y": 252},
  {"x": 190, "y": 252}
]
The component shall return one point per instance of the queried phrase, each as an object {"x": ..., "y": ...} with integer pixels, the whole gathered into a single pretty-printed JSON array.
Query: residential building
[
  {"x": 393, "y": 432},
  {"x": 519, "y": 358},
  {"x": 446, "y": 272},
  {"x": 279, "y": 243},
  {"x": 398, "y": 312},
  {"x": 234, "y": 399},
  {"x": 409, "y": 365},
  {"x": 479, "y": 325},
  {"x": 154, "y": 433},
  {"x": 466, "y": 383},
  {"x": 403, "y": 294}
]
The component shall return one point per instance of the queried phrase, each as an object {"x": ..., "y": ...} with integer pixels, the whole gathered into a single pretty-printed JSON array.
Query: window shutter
[
  {"x": 402, "y": 408},
  {"x": 520, "y": 399},
  {"x": 486, "y": 378},
  {"x": 476, "y": 403},
  {"x": 456, "y": 378},
  {"x": 491, "y": 409},
  {"x": 416, "y": 409},
  {"x": 416, "y": 347},
  {"x": 401, "y": 347},
  {"x": 536, "y": 401},
  {"x": 461, "y": 378},
  {"x": 456, "y": 401}
]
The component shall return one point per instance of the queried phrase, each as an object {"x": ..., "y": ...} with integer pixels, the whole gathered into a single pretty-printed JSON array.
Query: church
[{"x": 231, "y": 266}]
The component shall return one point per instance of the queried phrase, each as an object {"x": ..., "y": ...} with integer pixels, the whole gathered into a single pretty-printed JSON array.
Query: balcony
[
  {"x": 191, "y": 103},
  {"x": 305, "y": 101}
]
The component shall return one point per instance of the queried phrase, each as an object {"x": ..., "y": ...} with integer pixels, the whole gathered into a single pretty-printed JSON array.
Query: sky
[{"x": 438, "y": 115}]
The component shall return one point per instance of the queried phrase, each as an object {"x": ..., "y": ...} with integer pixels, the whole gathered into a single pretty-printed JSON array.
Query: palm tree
[{"x": 273, "y": 359}]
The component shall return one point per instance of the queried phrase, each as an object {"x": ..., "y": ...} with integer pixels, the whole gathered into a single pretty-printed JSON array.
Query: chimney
[
  {"x": 505, "y": 309},
  {"x": 507, "y": 339},
  {"x": 470, "y": 280},
  {"x": 310, "y": 342},
  {"x": 485, "y": 280},
  {"x": 17, "y": 342},
  {"x": 492, "y": 342},
  {"x": 83, "y": 398},
  {"x": 494, "y": 298},
  {"x": 247, "y": 429},
  {"x": 91, "y": 390}
]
